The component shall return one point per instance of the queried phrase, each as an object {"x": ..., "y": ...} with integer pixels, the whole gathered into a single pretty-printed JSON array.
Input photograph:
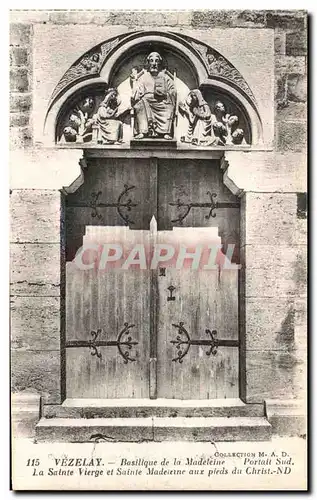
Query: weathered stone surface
[
  {"x": 19, "y": 119},
  {"x": 301, "y": 231},
  {"x": 268, "y": 171},
  {"x": 25, "y": 413},
  {"x": 20, "y": 34},
  {"x": 270, "y": 218},
  {"x": 281, "y": 91},
  {"x": 19, "y": 80},
  {"x": 143, "y": 18},
  {"x": 74, "y": 16},
  {"x": 290, "y": 64},
  {"x": 292, "y": 111},
  {"x": 300, "y": 323},
  {"x": 296, "y": 43},
  {"x": 274, "y": 271},
  {"x": 228, "y": 18},
  {"x": 35, "y": 323},
  {"x": 35, "y": 216},
  {"x": 275, "y": 374},
  {"x": 29, "y": 16},
  {"x": 297, "y": 88},
  {"x": 272, "y": 324},
  {"x": 127, "y": 18},
  {"x": 279, "y": 43},
  {"x": 290, "y": 20},
  {"x": 18, "y": 56},
  {"x": 20, "y": 102},
  {"x": 81, "y": 430},
  {"x": 287, "y": 417},
  {"x": 37, "y": 370},
  {"x": 20, "y": 138},
  {"x": 139, "y": 408},
  {"x": 35, "y": 269},
  {"x": 291, "y": 136},
  {"x": 250, "y": 18},
  {"x": 154, "y": 429}
]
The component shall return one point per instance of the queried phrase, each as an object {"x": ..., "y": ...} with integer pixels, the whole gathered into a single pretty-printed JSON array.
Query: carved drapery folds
[
  {"x": 209, "y": 126},
  {"x": 152, "y": 98}
]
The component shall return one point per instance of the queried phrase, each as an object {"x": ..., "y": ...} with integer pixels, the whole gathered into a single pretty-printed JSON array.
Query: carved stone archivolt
[
  {"x": 153, "y": 100},
  {"x": 219, "y": 66},
  {"x": 87, "y": 66}
]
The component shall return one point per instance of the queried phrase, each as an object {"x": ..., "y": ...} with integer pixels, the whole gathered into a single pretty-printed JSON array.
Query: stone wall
[{"x": 273, "y": 183}]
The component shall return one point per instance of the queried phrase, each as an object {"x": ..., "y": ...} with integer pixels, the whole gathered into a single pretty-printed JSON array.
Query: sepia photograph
[{"x": 158, "y": 249}]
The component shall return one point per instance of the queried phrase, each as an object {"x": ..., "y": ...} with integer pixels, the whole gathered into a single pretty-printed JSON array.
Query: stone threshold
[
  {"x": 136, "y": 408},
  {"x": 153, "y": 429}
]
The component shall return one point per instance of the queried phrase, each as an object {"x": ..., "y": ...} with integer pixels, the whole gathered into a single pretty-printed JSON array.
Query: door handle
[{"x": 171, "y": 289}]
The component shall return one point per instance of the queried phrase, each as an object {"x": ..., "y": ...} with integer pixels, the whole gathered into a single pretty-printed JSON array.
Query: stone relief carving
[
  {"x": 148, "y": 101},
  {"x": 198, "y": 114},
  {"x": 153, "y": 100},
  {"x": 206, "y": 126},
  {"x": 89, "y": 121},
  {"x": 79, "y": 123},
  {"x": 108, "y": 128},
  {"x": 100, "y": 120},
  {"x": 89, "y": 64},
  {"x": 219, "y": 66}
]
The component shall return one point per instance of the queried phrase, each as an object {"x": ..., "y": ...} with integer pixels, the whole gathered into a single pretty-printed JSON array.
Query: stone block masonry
[{"x": 20, "y": 85}]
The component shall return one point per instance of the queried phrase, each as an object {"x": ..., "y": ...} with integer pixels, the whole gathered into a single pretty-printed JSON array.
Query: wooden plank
[
  {"x": 204, "y": 299},
  {"x": 109, "y": 178},
  {"x": 107, "y": 300}
]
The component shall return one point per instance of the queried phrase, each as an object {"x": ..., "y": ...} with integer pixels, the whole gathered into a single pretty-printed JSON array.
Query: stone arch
[{"x": 196, "y": 65}]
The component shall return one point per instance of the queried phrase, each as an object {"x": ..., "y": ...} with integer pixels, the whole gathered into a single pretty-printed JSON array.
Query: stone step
[
  {"x": 153, "y": 429},
  {"x": 142, "y": 408}
]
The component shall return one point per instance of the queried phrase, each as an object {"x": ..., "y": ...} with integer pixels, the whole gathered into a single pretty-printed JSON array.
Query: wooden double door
[{"x": 151, "y": 302}]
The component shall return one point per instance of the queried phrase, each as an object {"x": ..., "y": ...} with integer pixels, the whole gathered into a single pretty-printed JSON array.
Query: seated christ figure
[{"x": 153, "y": 100}]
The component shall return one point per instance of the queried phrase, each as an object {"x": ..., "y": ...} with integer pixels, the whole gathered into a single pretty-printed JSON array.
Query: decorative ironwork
[
  {"x": 171, "y": 289},
  {"x": 124, "y": 343},
  {"x": 162, "y": 271},
  {"x": 93, "y": 347},
  {"x": 183, "y": 342},
  {"x": 212, "y": 205},
  {"x": 188, "y": 206},
  {"x": 128, "y": 343},
  {"x": 119, "y": 205}
]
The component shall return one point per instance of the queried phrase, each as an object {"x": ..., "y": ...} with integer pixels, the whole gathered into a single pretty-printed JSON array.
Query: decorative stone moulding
[{"x": 149, "y": 87}]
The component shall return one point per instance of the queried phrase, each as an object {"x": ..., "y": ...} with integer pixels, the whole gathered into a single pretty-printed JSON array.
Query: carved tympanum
[
  {"x": 153, "y": 100},
  {"x": 209, "y": 126},
  {"x": 145, "y": 100}
]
